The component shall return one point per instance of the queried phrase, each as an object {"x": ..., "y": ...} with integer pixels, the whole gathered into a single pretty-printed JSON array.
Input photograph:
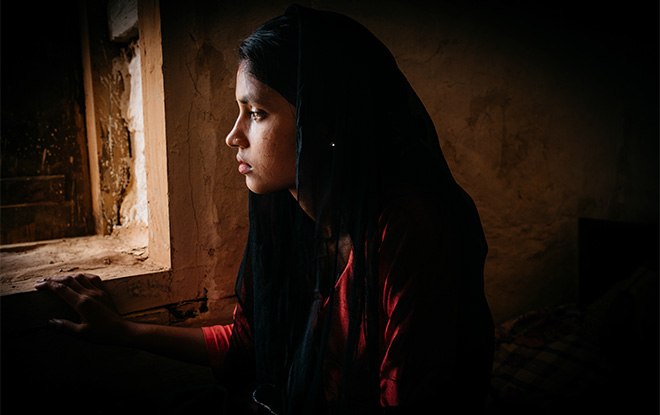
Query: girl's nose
[{"x": 236, "y": 138}]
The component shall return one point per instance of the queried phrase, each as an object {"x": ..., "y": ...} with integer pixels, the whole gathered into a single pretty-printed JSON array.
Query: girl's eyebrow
[{"x": 245, "y": 100}]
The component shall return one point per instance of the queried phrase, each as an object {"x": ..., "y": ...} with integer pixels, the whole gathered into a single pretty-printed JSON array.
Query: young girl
[{"x": 361, "y": 286}]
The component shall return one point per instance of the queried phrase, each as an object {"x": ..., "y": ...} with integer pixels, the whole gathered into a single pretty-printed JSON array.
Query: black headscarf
[{"x": 363, "y": 139}]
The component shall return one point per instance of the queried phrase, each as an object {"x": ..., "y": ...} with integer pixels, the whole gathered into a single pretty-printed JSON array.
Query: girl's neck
[
  {"x": 338, "y": 246},
  {"x": 326, "y": 229}
]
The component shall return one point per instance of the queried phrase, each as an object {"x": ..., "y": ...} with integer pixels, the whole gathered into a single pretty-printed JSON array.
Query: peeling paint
[{"x": 134, "y": 206}]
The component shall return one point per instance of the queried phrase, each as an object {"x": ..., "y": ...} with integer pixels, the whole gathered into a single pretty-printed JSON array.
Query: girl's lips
[{"x": 244, "y": 168}]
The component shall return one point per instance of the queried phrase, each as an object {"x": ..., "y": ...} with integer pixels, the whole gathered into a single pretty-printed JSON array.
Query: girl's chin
[{"x": 263, "y": 188}]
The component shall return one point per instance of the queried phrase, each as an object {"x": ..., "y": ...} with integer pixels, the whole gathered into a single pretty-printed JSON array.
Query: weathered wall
[
  {"x": 542, "y": 121},
  {"x": 109, "y": 138},
  {"x": 198, "y": 80},
  {"x": 133, "y": 210},
  {"x": 540, "y": 127}
]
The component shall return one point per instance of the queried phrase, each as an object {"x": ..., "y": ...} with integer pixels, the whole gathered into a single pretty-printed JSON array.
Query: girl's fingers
[
  {"x": 73, "y": 282},
  {"x": 84, "y": 293},
  {"x": 77, "y": 282},
  {"x": 95, "y": 280},
  {"x": 65, "y": 325},
  {"x": 85, "y": 280},
  {"x": 62, "y": 290}
]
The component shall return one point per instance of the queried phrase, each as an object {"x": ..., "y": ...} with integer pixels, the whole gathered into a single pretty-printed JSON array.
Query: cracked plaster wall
[
  {"x": 123, "y": 183},
  {"x": 539, "y": 127},
  {"x": 133, "y": 210}
]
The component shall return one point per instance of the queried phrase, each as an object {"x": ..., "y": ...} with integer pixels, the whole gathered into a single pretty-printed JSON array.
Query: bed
[{"x": 598, "y": 355}]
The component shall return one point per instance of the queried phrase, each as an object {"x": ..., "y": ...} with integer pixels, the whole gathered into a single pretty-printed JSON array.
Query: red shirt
[{"x": 421, "y": 296}]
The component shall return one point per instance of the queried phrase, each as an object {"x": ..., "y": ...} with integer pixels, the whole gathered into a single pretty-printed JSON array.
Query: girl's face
[{"x": 265, "y": 136}]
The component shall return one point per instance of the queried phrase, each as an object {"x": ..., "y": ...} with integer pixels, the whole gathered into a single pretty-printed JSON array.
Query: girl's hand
[{"x": 99, "y": 319}]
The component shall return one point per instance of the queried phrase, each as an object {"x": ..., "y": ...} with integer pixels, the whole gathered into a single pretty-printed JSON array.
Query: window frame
[{"x": 183, "y": 278}]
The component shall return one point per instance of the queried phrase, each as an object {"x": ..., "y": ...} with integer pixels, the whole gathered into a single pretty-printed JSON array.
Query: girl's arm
[{"x": 101, "y": 322}]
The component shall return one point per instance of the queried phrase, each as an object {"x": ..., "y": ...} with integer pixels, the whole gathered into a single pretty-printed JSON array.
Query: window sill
[
  {"x": 123, "y": 253},
  {"x": 121, "y": 260}
]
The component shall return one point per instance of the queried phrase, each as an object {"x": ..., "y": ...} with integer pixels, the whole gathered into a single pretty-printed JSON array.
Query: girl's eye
[{"x": 257, "y": 115}]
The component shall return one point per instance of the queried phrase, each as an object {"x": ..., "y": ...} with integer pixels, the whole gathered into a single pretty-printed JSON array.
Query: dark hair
[
  {"x": 364, "y": 142},
  {"x": 270, "y": 54}
]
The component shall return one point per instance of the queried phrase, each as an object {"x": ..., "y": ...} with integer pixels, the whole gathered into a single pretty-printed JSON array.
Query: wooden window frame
[{"x": 181, "y": 280}]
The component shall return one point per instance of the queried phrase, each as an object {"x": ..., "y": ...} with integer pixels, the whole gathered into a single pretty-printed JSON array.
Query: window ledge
[
  {"x": 123, "y": 253},
  {"x": 134, "y": 282}
]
